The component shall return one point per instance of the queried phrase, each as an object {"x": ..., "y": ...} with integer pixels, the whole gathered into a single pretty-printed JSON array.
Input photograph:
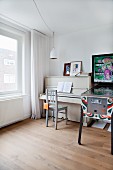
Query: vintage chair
[{"x": 52, "y": 104}]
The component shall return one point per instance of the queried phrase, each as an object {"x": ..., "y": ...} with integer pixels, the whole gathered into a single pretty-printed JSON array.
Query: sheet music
[
  {"x": 67, "y": 87},
  {"x": 64, "y": 87},
  {"x": 60, "y": 86}
]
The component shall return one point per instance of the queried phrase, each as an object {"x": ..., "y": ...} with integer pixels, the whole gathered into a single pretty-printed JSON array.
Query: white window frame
[{"x": 19, "y": 39}]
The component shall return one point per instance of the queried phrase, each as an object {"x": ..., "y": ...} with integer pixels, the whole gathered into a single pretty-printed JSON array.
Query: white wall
[{"x": 80, "y": 46}]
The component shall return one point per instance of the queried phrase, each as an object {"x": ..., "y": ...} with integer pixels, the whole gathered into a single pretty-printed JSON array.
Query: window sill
[{"x": 11, "y": 96}]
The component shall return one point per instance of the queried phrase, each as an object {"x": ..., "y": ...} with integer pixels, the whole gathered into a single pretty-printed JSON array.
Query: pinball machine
[{"x": 97, "y": 102}]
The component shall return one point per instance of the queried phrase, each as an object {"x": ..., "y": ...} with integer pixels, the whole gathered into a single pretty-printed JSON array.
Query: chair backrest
[{"x": 51, "y": 98}]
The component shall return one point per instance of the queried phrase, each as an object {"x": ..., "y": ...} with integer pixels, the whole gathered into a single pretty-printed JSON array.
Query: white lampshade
[{"x": 53, "y": 54}]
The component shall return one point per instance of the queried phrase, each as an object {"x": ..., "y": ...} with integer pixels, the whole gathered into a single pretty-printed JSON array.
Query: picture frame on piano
[
  {"x": 75, "y": 68},
  {"x": 67, "y": 69}
]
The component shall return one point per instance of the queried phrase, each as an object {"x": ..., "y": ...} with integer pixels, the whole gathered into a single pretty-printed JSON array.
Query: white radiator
[{"x": 11, "y": 110}]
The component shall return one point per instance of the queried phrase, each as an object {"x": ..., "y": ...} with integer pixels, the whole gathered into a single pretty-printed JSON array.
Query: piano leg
[{"x": 80, "y": 128}]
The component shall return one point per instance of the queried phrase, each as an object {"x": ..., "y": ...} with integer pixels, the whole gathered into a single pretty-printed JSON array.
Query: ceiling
[{"x": 59, "y": 16}]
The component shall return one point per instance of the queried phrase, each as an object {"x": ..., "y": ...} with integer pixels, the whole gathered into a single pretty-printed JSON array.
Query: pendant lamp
[{"x": 53, "y": 54}]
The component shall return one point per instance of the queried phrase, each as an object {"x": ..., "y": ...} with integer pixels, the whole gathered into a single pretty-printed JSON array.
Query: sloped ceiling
[{"x": 60, "y": 16}]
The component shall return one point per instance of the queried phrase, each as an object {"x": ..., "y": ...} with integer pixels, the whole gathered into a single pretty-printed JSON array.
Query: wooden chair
[{"x": 52, "y": 104}]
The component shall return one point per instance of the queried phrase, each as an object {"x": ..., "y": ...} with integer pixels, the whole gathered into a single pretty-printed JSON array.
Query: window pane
[{"x": 8, "y": 64}]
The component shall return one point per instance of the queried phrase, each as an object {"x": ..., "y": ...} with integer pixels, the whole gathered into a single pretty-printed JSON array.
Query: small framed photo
[
  {"x": 67, "y": 69},
  {"x": 75, "y": 68}
]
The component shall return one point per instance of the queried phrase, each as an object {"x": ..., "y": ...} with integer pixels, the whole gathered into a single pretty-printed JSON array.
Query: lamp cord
[
  {"x": 53, "y": 39},
  {"x": 41, "y": 16}
]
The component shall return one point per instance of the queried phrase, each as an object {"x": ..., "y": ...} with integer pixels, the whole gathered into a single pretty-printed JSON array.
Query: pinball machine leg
[
  {"x": 112, "y": 134},
  {"x": 80, "y": 127}
]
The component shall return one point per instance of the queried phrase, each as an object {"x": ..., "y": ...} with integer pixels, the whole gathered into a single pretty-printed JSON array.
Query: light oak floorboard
[{"x": 29, "y": 145}]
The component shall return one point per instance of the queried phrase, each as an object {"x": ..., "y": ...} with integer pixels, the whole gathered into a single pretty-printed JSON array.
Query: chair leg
[
  {"x": 66, "y": 115},
  {"x": 47, "y": 113},
  {"x": 112, "y": 134},
  {"x": 80, "y": 128}
]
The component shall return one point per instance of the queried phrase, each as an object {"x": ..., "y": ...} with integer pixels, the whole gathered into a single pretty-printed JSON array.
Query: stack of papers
[
  {"x": 109, "y": 129},
  {"x": 99, "y": 124}
]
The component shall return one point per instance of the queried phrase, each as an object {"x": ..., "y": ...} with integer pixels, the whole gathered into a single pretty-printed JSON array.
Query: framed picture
[
  {"x": 75, "y": 68},
  {"x": 67, "y": 69}
]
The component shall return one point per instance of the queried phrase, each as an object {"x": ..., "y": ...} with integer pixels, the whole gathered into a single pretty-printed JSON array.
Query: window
[{"x": 10, "y": 63}]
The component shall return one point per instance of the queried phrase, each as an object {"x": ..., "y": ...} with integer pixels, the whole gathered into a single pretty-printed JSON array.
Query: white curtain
[{"x": 39, "y": 69}]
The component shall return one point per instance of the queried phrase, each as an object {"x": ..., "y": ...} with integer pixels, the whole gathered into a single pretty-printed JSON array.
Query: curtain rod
[
  {"x": 12, "y": 21},
  {"x": 40, "y": 32},
  {"x": 7, "y": 19}
]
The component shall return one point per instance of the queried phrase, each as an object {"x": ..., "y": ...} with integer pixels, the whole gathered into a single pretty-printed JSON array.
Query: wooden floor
[{"x": 29, "y": 145}]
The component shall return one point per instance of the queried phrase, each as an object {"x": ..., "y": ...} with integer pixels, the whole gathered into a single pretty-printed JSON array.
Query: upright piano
[{"x": 80, "y": 84}]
